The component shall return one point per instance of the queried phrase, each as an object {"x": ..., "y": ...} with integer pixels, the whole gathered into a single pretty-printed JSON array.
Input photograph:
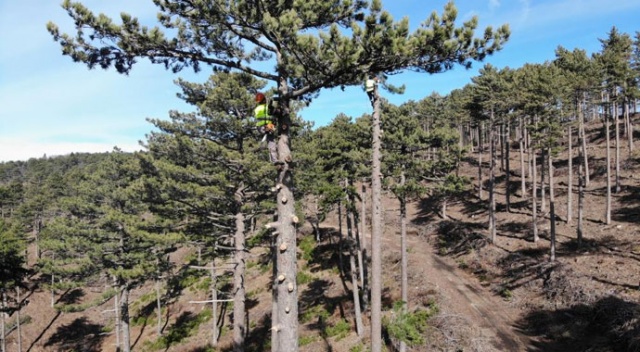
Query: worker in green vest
[{"x": 266, "y": 126}]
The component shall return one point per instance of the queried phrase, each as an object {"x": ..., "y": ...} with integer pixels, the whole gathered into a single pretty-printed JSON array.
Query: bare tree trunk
[
  {"x": 627, "y": 117},
  {"x": 480, "y": 150},
  {"x": 158, "y": 308},
  {"x": 543, "y": 197},
  {"x": 352, "y": 265},
  {"x": 362, "y": 252},
  {"x": 116, "y": 309},
  {"x": 608, "y": 138},
  {"x": 617, "y": 131},
  {"x": 214, "y": 305},
  {"x": 18, "y": 317},
  {"x": 286, "y": 319},
  {"x": 534, "y": 197},
  {"x": 507, "y": 166},
  {"x": 570, "y": 176},
  {"x": 403, "y": 256},
  {"x": 376, "y": 232},
  {"x": 552, "y": 208},
  {"x": 581, "y": 182},
  {"x": 492, "y": 178},
  {"x": 3, "y": 335},
  {"x": 523, "y": 179},
  {"x": 124, "y": 318},
  {"x": 585, "y": 157},
  {"x": 239, "y": 297}
]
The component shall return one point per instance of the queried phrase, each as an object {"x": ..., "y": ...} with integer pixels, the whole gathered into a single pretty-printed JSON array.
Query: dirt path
[{"x": 488, "y": 316}]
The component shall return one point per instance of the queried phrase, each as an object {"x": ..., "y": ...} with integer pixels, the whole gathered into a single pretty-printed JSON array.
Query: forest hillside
[{"x": 466, "y": 293}]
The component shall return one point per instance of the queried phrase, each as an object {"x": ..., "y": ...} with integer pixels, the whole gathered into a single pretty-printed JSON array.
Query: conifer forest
[{"x": 503, "y": 216}]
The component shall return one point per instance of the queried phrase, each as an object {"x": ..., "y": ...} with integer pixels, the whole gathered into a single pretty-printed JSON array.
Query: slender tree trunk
[
  {"x": 363, "y": 260},
  {"x": 585, "y": 157},
  {"x": 403, "y": 256},
  {"x": 116, "y": 309},
  {"x": 492, "y": 184},
  {"x": 523, "y": 179},
  {"x": 629, "y": 127},
  {"x": 608, "y": 138},
  {"x": 376, "y": 232},
  {"x": 158, "y": 308},
  {"x": 239, "y": 297},
  {"x": 352, "y": 264},
  {"x": 214, "y": 305},
  {"x": 18, "y": 317},
  {"x": 570, "y": 176},
  {"x": 543, "y": 197},
  {"x": 124, "y": 318},
  {"x": 507, "y": 166},
  {"x": 286, "y": 321},
  {"x": 3, "y": 333},
  {"x": 480, "y": 150},
  {"x": 617, "y": 132},
  {"x": 552, "y": 208},
  {"x": 581, "y": 182},
  {"x": 534, "y": 197}
]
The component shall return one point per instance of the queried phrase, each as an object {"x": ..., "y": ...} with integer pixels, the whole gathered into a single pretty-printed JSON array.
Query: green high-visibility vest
[{"x": 262, "y": 115}]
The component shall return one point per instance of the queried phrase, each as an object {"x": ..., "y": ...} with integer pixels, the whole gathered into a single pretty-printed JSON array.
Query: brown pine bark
[
  {"x": 608, "y": 200},
  {"x": 570, "y": 175},
  {"x": 492, "y": 178},
  {"x": 552, "y": 208},
  {"x": 376, "y": 231},
  {"x": 239, "y": 297}
]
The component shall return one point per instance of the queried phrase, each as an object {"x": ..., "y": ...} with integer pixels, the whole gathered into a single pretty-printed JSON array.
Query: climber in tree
[{"x": 266, "y": 126}]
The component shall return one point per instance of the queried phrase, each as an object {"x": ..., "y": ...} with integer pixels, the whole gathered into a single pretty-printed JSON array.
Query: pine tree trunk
[
  {"x": 583, "y": 145},
  {"x": 158, "y": 308},
  {"x": 629, "y": 128},
  {"x": 362, "y": 246},
  {"x": 352, "y": 266},
  {"x": 507, "y": 167},
  {"x": 286, "y": 320},
  {"x": 523, "y": 179},
  {"x": 617, "y": 131},
  {"x": 534, "y": 197},
  {"x": 480, "y": 150},
  {"x": 116, "y": 310},
  {"x": 214, "y": 305},
  {"x": 552, "y": 208},
  {"x": 492, "y": 178},
  {"x": 3, "y": 335},
  {"x": 581, "y": 182},
  {"x": 570, "y": 175},
  {"x": 608, "y": 138},
  {"x": 239, "y": 329},
  {"x": 403, "y": 256},
  {"x": 543, "y": 200},
  {"x": 18, "y": 317},
  {"x": 124, "y": 318},
  {"x": 376, "y": 232}
]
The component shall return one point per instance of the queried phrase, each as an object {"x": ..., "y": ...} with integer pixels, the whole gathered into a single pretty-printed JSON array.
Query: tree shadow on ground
[
  {"x": 79, "y": 335},
  {"x": 630, "y": 211},
  {"x": 608, "y": 325},
  {"x": 259, "y": 337},
  {"x": 609, "y": 245},
  {"x": 521, "y": 267},
  {"x": 456, "y": 238}
]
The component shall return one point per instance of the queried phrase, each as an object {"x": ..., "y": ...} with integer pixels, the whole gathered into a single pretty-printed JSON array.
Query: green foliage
[
  {"x": 409, "y": 326},
  {"x": 303, "y": 277},
  {"x": 185, "y": 327},
  {"x": 340, "y": 330},
  {"x": 306, "y": 245},
  {"x": 314, "y": 312},
  {"x": 72, "y": 308},
  {"x": 307, "y": 339}
]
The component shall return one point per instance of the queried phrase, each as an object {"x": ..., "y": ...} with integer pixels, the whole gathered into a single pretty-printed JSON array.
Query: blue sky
[{"x": 50, "y": 105}]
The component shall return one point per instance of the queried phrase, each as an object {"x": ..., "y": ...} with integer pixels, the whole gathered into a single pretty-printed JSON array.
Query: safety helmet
[{"x": 260, "y": 98}]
